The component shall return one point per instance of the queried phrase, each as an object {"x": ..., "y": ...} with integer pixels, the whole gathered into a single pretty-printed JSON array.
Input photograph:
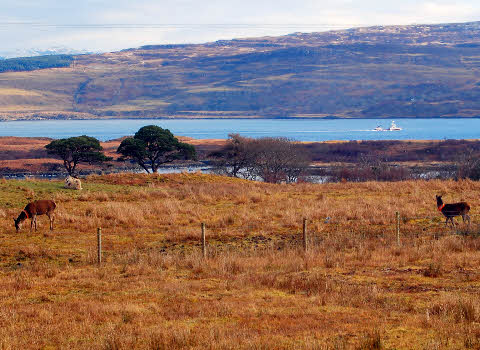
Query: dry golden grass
[
  {"x": 355, "y": 288},
  {"x": 17, "y": 92}
]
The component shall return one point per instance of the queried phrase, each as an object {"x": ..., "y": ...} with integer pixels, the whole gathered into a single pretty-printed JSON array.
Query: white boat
[
  {"x": 379, "y": 128},
  {"x": 394, "y": 127}
]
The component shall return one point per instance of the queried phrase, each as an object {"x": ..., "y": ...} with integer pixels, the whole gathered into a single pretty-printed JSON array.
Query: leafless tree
[
  {"x": 271, "y": 159},
  {"x": 234, "y": 158},
  {"x": 468, "y": 165}
]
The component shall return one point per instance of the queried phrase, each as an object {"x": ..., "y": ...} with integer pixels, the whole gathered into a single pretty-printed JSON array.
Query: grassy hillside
[
  {"x": 355, "y": 288},
  {"x": 397, "y": 71}
]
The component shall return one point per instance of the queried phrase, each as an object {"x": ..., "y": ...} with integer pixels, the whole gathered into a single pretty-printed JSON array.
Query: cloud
[
  {"x": 107, "y": 25},
  {"x": 446, "y": 11}
]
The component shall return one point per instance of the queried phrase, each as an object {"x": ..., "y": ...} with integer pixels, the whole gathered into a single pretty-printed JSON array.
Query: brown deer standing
[
  {"x": 453, "y": 209},
  {"x": 33, "y": 209}
]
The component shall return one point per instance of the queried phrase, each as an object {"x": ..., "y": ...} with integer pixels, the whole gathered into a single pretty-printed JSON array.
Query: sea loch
[{"x": 300, "y": 129}]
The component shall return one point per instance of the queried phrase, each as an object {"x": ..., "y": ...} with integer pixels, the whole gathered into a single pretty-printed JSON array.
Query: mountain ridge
[{"x": 382, "y": 71}]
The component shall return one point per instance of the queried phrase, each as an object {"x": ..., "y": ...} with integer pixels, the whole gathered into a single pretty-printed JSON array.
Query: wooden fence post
[
  {"x": 397, "y": 215},
  {"x": 204, "y": 243},
  {"x": 305, "y": 235},
  {"x": 99, "y": 245}
]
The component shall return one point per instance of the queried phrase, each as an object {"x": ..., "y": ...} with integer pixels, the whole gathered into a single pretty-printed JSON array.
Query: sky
[{"x": 112, "y": 25}]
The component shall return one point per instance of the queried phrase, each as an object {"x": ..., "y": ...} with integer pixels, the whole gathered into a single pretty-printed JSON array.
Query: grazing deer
[
  {"x": 453, "y": 209},
  {"x": 33, "y": 209}
]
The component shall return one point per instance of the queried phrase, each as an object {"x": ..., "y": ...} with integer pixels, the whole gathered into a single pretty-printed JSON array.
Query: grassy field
[{"x": 355, "y": 288}]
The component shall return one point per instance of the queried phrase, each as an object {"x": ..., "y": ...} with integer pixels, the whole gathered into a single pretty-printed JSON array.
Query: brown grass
[{"x": 355, "y": 288}]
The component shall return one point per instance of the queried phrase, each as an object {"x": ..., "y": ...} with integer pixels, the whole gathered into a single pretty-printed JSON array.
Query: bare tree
[
  {"x": 234, "y": 158},
  {"x": 272, "y": 159},
  {"x": 468, "y": 166}
]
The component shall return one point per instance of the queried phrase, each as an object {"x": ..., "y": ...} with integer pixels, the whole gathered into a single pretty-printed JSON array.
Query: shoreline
[
  {"x": 39, "y": 119},
  {"x": 26, "y": 156},
  {"x": 195, "y": 141}
]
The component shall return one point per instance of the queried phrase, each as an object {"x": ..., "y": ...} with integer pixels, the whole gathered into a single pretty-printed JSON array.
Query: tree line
[
  {"x": 269, "y": 159},
  {"x": 32, "y": 63},
  {"x": 150, "y": 147}
]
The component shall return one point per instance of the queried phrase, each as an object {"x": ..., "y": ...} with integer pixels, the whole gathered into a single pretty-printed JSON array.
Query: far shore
[
  {"x": 36, "y": 117},
  {"x": 27, "y": 155}
]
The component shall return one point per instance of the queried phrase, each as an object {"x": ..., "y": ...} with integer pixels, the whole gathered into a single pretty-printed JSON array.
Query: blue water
[{"x": 296, "y": 129}]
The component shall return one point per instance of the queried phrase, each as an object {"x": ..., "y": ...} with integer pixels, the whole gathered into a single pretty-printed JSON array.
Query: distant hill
[{"x": 393, "y": 71}]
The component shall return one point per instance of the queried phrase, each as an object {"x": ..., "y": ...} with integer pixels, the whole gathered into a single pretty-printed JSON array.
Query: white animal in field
[{"x": 73, "y": 183}]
